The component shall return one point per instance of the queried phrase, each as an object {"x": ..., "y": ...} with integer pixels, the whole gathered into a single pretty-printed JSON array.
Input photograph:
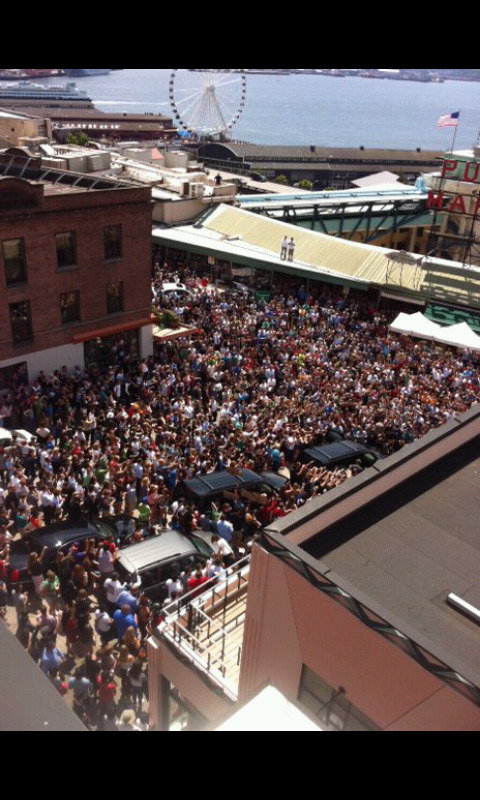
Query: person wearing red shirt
[
  {"x": 196, "y": 583},
  {"x": 107, "y": 689}
]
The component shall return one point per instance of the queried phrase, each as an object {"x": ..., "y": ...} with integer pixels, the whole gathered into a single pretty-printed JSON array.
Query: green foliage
[
  {"x": 80, "y": 139},
  {"x": 167, "y": 319},
  {"x": 282, "y": 180}
]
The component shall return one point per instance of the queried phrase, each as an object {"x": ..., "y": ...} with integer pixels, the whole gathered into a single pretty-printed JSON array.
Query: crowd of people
[{"x": 261, "y": 380}]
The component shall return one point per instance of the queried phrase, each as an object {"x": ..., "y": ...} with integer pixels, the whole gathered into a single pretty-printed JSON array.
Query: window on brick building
[
  {"x": 115, "y": 304},
  {"x": 70, "y": 307},
  {"x": 66, "y": 250},
  {"x": 113, "y": 242},
  {"x": 14, "y": 260},
  {"x": 21, "y": 322}
]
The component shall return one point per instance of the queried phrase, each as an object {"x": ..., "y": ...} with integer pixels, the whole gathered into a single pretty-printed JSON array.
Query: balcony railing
[{"x": 207, "y": 628}]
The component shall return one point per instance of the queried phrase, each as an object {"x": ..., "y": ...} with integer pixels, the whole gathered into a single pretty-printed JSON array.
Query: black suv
[
  {"x": 339, "y": 454},
  {"x": 220, "y": 486},
  {"x": 60, "y": 537}
]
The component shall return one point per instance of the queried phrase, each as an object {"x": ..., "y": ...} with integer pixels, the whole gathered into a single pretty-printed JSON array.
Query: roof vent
[{"x": 464, "y": 608}]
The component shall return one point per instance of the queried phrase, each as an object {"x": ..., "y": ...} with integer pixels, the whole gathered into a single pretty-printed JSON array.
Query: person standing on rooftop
[{"x": 291, "y": 250}]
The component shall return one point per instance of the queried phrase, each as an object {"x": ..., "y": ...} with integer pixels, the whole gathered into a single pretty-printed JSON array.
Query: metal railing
[{"x": 202, "y": 624}]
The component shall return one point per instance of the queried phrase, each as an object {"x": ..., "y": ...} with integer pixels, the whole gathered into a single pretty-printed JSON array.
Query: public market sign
[{"x": 465, "y": 171}]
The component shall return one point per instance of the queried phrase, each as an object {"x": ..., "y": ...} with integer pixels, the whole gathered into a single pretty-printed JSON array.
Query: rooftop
[
  {"x": 254, "y": 240},
  {"x": 403, "y": 539},
  {"x": 415, "y": 546},
  {"x": 20, "y": 165},
  {"x": 282, "y": 154}
]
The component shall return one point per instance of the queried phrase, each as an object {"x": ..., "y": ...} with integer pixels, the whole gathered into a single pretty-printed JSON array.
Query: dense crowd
[{"x": 261, "y": 380}]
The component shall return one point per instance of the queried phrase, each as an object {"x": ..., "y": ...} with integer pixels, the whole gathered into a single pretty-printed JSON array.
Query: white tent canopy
[
  {"x": 419, "y": 326},
  {"x": 460, "y": 336},
  {"x": 416, "y": 325}
]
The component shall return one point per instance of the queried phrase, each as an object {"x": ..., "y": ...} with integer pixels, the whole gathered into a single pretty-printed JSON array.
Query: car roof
[
  {"x": 206, "y": 485},
  {"x": 168, "y": 546},
  {"x": 274, "y": 480},
  {"x": 173, "y": 287},
  {"x": 330, "y": 453},
  {"x": 65, "y": 532}
]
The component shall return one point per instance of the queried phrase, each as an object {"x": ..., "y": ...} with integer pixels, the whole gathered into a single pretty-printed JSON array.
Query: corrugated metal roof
[
  {"x": 245, "y": 237},
  {"x": 313, "y": 249}
]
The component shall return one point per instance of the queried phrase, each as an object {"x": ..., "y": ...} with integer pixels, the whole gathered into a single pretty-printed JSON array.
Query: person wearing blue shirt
[
  {"x": 128, "y": 598},
  {"x": 52, "y": 658},
  {"x": 124, "y": 619},
  {"x": 225, "y": 529}
]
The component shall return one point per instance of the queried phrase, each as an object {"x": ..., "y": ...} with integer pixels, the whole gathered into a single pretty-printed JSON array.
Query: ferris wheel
[{"x": 207, "y": 102}]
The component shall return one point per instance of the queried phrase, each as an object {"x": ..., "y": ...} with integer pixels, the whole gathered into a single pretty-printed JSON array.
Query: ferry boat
[
  {"x": 25, "y": 90},
  {"x": 87, "y": 73}
]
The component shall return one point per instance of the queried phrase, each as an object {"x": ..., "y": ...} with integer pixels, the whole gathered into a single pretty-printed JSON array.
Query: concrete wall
[
  {"x": 146, "y": 341},
  {"x": 12, "y": 130},
  {"x": 162, "y": 662},
  {"x": 176, "y": 160},
  {"x": 48, "y": 361},
  {"x": 177, "y": 211},
  {"x": 291, "y": 624}
]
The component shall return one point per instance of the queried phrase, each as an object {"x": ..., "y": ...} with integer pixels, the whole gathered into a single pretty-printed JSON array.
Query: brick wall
[{"x": 86, "y": 214}]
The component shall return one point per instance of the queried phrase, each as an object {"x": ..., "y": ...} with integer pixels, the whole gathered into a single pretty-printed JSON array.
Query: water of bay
[{"x": 308, "y": 109}]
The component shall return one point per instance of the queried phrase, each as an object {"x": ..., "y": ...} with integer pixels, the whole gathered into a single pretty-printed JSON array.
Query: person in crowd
[
  {"x": 269, "y": 377},
  {"x": 52, "y": 658}
]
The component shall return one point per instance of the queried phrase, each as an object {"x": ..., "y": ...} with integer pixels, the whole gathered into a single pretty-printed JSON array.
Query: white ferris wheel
[{"x": 207, "y": 102}]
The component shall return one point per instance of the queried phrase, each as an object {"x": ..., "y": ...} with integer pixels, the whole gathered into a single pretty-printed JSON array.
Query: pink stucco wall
[{"x": 291, "y": 624}]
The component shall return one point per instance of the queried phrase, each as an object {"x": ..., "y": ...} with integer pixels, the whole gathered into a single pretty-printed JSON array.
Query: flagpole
[{"x": 455, "y": 133}]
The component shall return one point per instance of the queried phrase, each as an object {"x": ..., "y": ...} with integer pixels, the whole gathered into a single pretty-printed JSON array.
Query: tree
[
  {"x": 80, "y": 139},
  {"x": 308, "y": 185},
  {"x": 282, "y": 180}
]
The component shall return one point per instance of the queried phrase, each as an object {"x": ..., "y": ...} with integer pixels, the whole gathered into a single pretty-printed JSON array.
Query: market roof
[{"x": 255, "y": 240}]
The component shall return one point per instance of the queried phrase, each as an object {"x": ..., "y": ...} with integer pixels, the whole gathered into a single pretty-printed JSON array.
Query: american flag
[{"x": 449, "y": 120}]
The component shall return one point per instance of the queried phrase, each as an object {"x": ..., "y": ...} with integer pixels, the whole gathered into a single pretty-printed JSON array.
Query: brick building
[{"x": 75, "y": 268}]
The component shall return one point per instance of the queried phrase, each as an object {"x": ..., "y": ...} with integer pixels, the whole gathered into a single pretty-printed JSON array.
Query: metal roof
[
  {"x": 155, "y": 551},
  {"x": 314, "y": 153},
  {"x": 242, "y": 235}
]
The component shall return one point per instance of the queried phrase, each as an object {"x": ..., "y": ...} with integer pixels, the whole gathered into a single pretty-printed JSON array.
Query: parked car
[
  {"x": 152, "y": 561},
  {"x": 8, "y": 437},
  {"x": 219, "y": 486},
  {"x": 178, "y": 289},
  {"x": 58, "y": 537},
  {"x": 339, "y": 454}
]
